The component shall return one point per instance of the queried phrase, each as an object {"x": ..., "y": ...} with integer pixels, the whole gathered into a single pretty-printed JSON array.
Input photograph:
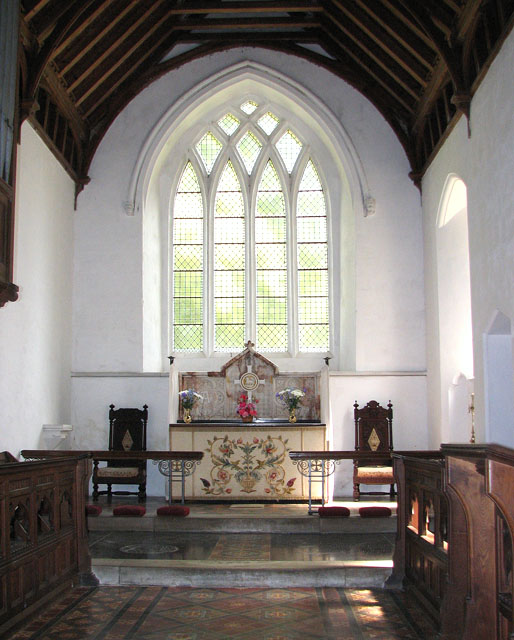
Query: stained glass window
[
  {"x": 188, "y": 263},
  {"x": 254, "y": 268}
]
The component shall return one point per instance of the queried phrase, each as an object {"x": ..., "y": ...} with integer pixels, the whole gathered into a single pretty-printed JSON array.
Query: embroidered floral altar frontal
[{"x": 248, "y": 461}]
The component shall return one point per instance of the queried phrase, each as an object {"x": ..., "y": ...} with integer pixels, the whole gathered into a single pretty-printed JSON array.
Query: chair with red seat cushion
[
  {"x": 373, "y": 434},
  {"x": 127, "y": 432}
]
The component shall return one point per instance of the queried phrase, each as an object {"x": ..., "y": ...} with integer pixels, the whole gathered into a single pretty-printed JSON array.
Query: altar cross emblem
[{"x": 249, "y": 381}]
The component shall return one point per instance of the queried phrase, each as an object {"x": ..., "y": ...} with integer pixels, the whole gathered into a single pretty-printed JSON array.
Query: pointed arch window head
[
  {"x": 256, "y": 266},
  {"x": 209, "y": 149},
  {"x": 249, "y": 148},
  {"x": 249, "y": 107},
  {"x": 229, "y": 123},
  {"x": 268, "y": 122},
  {"x": 289, "y": 147}
]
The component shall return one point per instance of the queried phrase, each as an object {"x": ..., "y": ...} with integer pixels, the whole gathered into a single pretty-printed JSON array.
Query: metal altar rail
[
  {"x": 317, "y": 466},
  {"x": 175, "y": 465}
]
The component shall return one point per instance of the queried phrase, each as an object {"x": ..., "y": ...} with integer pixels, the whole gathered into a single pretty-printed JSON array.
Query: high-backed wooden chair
[
  {"x": 127, "y": 432},
  {"x": 373, "y": 434}
]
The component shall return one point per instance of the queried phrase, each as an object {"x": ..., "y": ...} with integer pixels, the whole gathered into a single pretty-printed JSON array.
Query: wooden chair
[
  {"x": 373, "y": 434},
  {"x": 127, "y": 432}
]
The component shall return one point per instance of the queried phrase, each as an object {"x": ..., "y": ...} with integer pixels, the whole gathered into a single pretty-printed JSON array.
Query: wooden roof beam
[
  {"x": 379, "y": 79},
  {"x": 101, "y": 34},
  {"x": 310, "y": 36},
  {"x": 384, "y": 41},
  {"x": 377, "y": 59},
  {"x": 245, "y": 23},
  {"x": 194, "y": 7},
  {"x": 114, "y": 45}
]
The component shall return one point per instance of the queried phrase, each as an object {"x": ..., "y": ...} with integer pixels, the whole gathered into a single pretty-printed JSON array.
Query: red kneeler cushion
[
  {"x": 333, "y": 512},
  {"x": 93, "y": 509},
  {"x": 173, "y": 510},
  {"x": 129, "y": 510},
  {"x": 375, "y": 512}
]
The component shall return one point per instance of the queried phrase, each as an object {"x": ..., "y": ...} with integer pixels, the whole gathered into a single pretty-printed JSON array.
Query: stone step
[{"x": 355, "y": 574}]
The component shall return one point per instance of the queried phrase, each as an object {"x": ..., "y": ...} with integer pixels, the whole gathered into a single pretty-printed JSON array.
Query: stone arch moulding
[{"x": 362, "y": 200}]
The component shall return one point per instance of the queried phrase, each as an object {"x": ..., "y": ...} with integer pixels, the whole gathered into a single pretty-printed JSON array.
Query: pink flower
[
  {"x": 273, "y": 475},
  {"x": 267, "y": 490},
  {"x": 222, "y": 475},
  {"x": 290, "y": 483},
  {"x": 256, "y": 440},
  {"x": 240, "y": 441},
  {"x": 228, "y": 490}
]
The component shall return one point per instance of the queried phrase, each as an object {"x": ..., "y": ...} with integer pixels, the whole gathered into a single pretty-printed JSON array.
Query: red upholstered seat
[
  {"x": 93, "y": 509},
  {"x": 333, "y": 512},
  {"x": 136, "y": 510},
  {"x": 375, "y": 512},
  {"x": 173, "y": 510}
]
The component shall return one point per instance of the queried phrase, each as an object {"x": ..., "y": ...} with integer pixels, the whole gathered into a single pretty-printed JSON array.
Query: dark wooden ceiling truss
[{"x": 419, "y": 63}]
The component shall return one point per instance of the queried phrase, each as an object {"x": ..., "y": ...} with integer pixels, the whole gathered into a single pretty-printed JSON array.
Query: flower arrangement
[
  {"x": 188, "y": 398},
  {"x": 246, "y": 409},
  {"x": 290, "y": 397}
]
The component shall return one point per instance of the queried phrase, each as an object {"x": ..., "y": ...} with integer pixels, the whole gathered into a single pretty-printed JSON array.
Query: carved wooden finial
[{"x": 250, "y": 345}]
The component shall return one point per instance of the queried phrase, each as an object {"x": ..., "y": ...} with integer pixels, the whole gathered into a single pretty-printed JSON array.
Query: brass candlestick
[{"x": 471, "y": 409}]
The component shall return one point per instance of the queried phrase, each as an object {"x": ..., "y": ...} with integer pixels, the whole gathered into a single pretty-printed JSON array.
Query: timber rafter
[{"x": 417, "y": 62}]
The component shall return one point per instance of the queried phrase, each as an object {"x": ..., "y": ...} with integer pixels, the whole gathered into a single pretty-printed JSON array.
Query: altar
[{"x": 248, "y": 460}]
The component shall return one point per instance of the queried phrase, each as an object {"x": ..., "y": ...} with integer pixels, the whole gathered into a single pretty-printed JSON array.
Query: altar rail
[
  {"x": 43, "y": 543},
  {"x": 454, "y": 543},
  {"x": 317, "y": 466},
  {"x": 175, "y": 465}
]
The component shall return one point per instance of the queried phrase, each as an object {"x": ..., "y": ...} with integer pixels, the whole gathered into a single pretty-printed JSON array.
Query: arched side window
[{"x": 249, "y": 240}]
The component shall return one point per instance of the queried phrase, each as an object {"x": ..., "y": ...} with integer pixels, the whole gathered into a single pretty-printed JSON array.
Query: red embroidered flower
[
  {"x": 240, "y": 441},
  {"x": 228, "y": 490},
  {"x": 267, "y": 490},
  {"x": 290, "y": 483},
  {"x": 256, "y": 440}
]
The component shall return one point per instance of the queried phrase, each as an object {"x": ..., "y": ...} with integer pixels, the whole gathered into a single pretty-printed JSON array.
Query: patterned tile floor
[
  {"x": 260, "y": 547},
  {"x": 176, "y": 613}
]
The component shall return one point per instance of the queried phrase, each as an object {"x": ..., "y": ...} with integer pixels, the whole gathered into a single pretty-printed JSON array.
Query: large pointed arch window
[{"x": 249, "y": 239}]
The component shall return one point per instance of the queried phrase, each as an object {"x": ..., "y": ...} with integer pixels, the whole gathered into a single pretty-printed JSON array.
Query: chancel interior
[{"x": 240, "y": 199}]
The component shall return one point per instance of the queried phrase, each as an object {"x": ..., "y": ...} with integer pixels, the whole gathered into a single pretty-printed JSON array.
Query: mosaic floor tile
[{"x": 181, "y": 613}]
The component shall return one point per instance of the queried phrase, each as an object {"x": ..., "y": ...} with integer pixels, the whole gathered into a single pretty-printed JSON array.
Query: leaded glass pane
[
  {"x": 209, "y": 149},
  {"x": 312, "y": 263},
  {"x": 267, "y": 228},
  {"x": 313, "y": 338},
  {"x": 229, "y": 263},
  {"x": 312, "y": 256},
  {"x": 312, "y": 282},
  {"x": 187, "y": 236},
  {"x": 187, "y": 338},
  {"x": 311, "y": 229},
  {"x": 271, "y": 256},
  {"x": 272, "y": 337},
  {"x": 249, "y": 107},
  {"x": 270, "y": 238},
  {"x": 249, "y": 148},
  {"x": 229, "y": 123},
  {"x": 229, "y": 256},
  {"x": 289, "y": 148},
  {"x": 313, "y": 310},
  {"x": 268, "y": 122},
  {"x": 229, "y": 337}
]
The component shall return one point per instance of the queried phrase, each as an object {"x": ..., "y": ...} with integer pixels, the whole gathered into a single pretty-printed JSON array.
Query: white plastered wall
[
  {"x": 384, "y": 281},
  {"x": 35, "y": 335},
  {"x": 485, "y": 162}
]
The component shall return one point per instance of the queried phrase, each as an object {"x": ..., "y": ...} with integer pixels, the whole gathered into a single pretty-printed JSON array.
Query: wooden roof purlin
[{"x": 417, "y": 62}]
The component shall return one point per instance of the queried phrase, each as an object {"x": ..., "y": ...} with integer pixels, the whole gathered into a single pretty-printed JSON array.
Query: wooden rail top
[
  {"x": 114, "y": 455},
  {"x": 357, "y": 455}
]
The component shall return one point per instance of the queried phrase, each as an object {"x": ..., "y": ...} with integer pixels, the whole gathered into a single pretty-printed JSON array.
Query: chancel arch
[{"x": 173, "y": 146}]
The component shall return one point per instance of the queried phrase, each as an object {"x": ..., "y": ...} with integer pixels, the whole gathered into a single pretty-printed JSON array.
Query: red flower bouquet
[{"x": 246, "y": 409}]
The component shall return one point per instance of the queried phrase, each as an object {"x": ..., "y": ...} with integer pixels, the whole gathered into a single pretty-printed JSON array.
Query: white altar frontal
[{"x": 249, "y": 461}]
